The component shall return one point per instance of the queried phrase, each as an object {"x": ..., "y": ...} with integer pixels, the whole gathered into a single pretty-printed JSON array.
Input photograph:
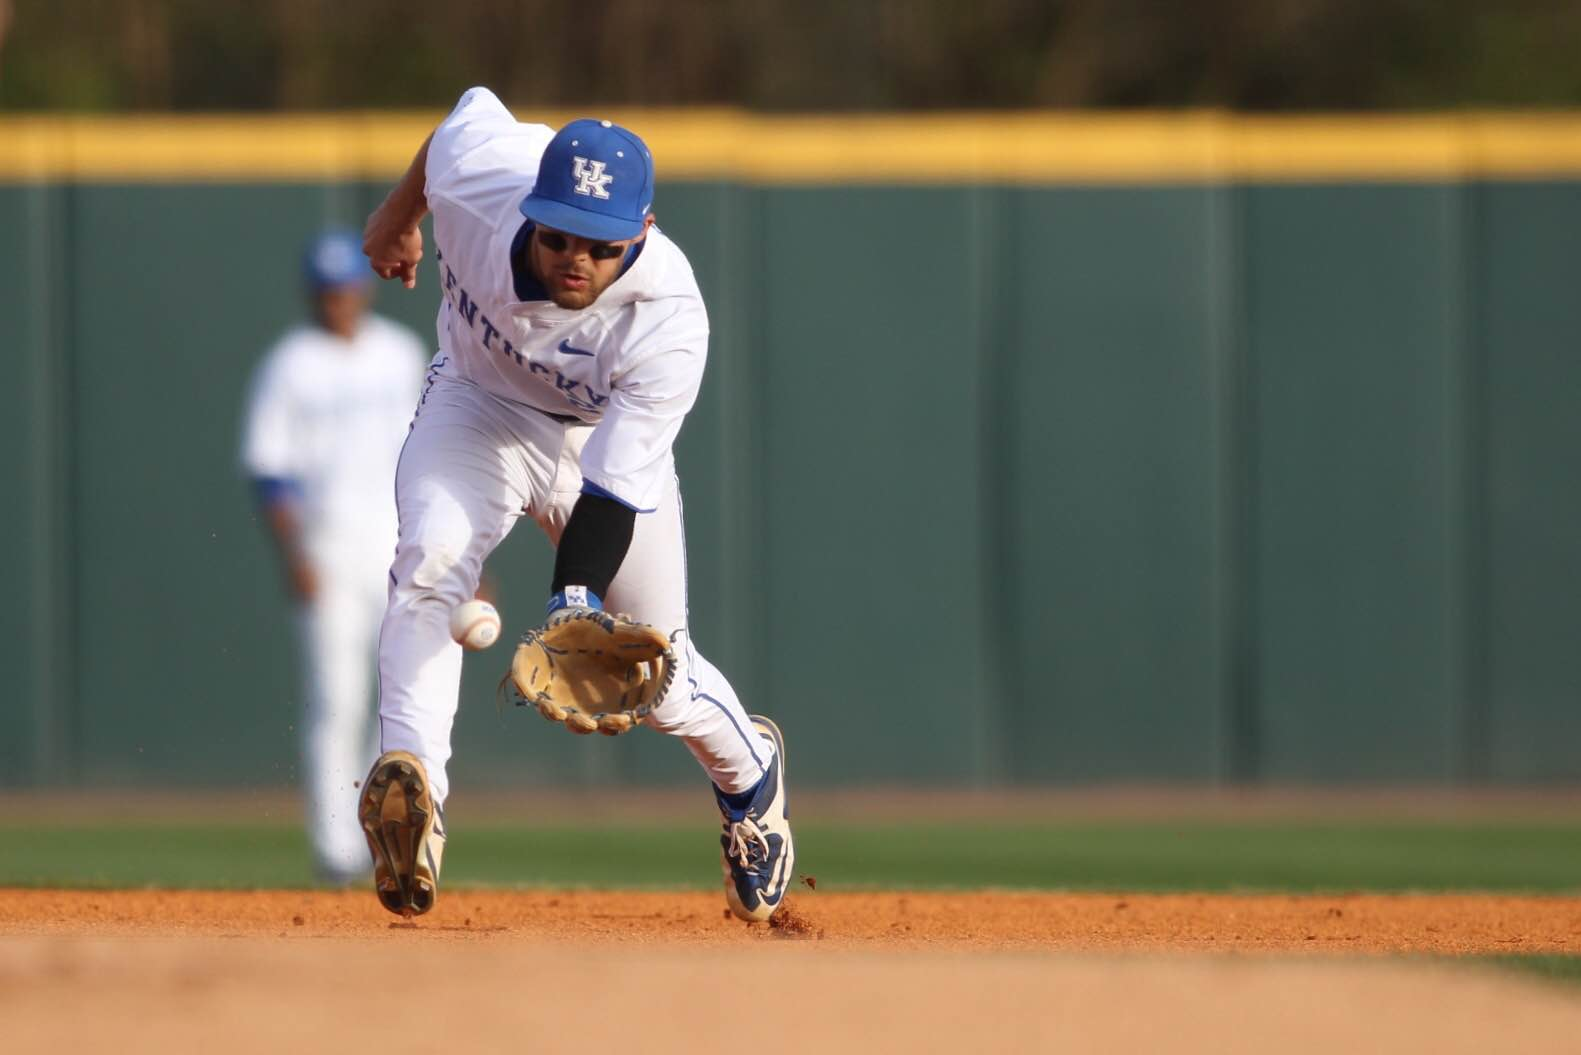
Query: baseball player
[
  {"x": 328, "y": 409},
  {"x": 572, "y": 338}
]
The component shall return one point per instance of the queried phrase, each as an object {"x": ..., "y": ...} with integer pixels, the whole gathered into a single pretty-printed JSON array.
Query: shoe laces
[{"x": 745, "y": 837}]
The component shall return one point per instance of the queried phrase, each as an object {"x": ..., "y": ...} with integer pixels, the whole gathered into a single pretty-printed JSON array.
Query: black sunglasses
[{"x": 556, "y": 242}]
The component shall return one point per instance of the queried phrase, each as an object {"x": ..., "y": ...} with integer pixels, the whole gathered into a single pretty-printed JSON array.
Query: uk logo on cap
[
  {"x": 590, "y": 177},
  {"x": 595, "y": 180}
]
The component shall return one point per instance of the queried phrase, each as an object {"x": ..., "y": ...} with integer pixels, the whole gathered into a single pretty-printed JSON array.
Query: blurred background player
[{"x": 326, "y": 416}]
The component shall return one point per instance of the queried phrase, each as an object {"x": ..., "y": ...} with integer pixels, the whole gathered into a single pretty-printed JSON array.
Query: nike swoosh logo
[{"x": 565, "y": 346}]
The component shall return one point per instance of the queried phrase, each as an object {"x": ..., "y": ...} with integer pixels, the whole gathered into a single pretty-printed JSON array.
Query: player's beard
[
  {"x": 576, "y": 299},
  {"x": 595, "y": 281}
]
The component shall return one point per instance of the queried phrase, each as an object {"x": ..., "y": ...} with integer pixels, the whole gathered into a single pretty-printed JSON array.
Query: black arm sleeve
[{"x": 593, "y": 544}]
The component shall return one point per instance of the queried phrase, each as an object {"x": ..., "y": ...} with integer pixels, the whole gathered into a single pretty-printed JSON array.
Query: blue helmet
[
  {"x": 335, "y": 258},
  {"x": 595, "y": 180}
]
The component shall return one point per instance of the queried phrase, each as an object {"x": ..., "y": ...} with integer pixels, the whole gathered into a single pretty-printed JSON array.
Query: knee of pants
[{"x": 435, "y": 568}]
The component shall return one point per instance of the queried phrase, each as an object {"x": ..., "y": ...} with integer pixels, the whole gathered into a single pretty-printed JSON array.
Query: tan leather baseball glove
[{"x": 593, "y": 671}]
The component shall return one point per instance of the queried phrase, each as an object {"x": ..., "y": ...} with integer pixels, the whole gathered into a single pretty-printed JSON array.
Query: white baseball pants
[
  {"x": 337, "y": 631},
  {"x": 474, "y": 464}
]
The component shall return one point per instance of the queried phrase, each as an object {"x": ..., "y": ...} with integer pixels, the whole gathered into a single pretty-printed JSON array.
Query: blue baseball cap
[
  {"x": 595, "y": 181},
  {"x": 335, "y": 258}
]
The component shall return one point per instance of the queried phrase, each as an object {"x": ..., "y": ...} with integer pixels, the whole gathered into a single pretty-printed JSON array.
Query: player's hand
[
  {"x": 393, "y": 246},
  {"x": 301, "y": 580},
  {"x": 592, "y": 671}
]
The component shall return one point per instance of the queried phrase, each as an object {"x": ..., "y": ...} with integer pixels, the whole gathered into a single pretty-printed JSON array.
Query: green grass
[{"x": 1184, "y": 856}]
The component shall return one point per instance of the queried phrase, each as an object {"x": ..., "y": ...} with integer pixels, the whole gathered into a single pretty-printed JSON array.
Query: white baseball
[{"x": 475, "y": 625}]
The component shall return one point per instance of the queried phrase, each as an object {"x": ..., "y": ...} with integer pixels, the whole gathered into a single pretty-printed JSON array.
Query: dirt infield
[
  {"x": 566, "y": 971},
  {"x": 1356, "y": 923}
]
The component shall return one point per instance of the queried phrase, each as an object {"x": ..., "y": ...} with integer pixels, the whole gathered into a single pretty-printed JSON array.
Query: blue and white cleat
[
  {"x": 758, "y": 854},
  {"x": 406, "y": 833}
]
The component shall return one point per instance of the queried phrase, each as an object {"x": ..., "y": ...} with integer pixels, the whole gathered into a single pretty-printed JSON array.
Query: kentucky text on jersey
[{"x": 578, "y": 393}]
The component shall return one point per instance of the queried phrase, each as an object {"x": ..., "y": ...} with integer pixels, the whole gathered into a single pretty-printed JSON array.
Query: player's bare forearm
[
  {"x": 301, "y": 579},
  {"x": 392, "y": 240}
]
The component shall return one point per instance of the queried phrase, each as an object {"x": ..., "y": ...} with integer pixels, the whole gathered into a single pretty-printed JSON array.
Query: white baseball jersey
[
  {"x": 630, "y": 364},
  {"x": 330, "y": 416}
]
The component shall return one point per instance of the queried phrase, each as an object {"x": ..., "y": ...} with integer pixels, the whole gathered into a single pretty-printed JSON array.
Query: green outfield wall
[{"x": 1166, "y": 469}]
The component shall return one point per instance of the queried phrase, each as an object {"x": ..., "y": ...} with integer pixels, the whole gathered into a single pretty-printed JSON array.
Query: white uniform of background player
[
  {"x": 325, "y": 420},
  {"x": 532, "y": 405}
]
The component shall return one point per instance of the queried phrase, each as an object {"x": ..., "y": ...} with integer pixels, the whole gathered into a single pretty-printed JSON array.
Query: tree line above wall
[{"x": 112, "y": 55}]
